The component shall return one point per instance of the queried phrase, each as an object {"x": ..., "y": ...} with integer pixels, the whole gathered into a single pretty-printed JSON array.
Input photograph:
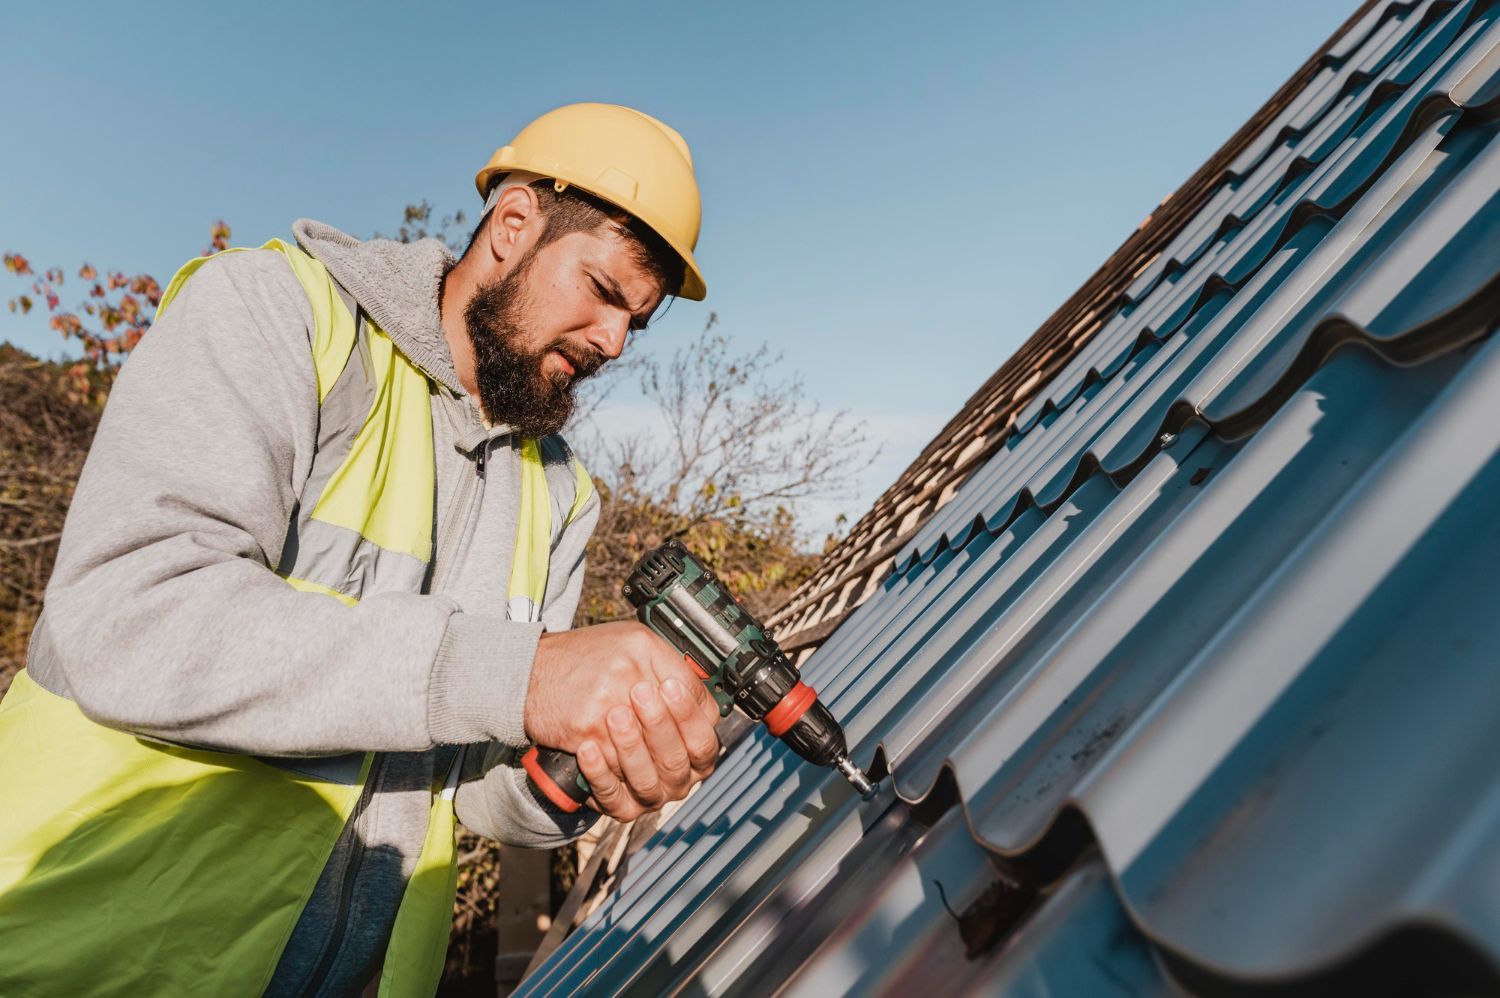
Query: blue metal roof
[{"x": 1193, "y": 684}]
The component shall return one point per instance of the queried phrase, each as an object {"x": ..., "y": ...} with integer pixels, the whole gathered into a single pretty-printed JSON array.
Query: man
[{"x": 314, "y": 591}]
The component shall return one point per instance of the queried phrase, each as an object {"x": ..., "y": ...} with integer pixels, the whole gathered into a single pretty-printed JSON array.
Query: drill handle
[{"x": 554, "y": 776}]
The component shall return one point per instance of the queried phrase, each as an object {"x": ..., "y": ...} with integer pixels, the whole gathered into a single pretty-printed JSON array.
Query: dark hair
[{"x": 576, "y": 210}]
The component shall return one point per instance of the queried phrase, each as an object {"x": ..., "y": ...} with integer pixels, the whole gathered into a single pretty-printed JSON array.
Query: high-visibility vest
[{"x": 132, "y": 866}]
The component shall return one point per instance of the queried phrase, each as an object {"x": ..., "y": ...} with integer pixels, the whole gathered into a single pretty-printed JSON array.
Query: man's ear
[{"x": 508, "y": 231}]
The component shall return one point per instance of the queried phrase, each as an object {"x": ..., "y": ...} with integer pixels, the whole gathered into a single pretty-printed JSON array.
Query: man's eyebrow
[{"x": 613, "y": 293}]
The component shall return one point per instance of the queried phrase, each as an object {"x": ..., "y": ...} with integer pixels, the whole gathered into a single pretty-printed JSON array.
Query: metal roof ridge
[
  {"x": 1454, "y": 328},
  {"x": 1428, "y": 110}
]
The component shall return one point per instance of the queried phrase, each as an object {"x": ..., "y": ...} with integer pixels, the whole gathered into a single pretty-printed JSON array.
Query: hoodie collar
[{"x": 398, "y": 284}]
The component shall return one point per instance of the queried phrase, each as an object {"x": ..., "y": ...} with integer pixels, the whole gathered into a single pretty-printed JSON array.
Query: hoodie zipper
[
  {"x": 462, "y": 512},
  {"x": 351, "y": 877}
]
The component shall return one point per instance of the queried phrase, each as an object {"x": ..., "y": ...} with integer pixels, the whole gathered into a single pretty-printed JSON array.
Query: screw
[{"x": 1168, "y": 439}]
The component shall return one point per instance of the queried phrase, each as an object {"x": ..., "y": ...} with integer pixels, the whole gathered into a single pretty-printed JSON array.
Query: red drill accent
[
  {"x": 780, "y": 718},
  {"x": 546, "y": 783},
  {"x": 702, "y": 672}
]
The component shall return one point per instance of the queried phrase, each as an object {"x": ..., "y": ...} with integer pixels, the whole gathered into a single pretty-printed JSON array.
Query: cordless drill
[{"x": 677, "y": 596}]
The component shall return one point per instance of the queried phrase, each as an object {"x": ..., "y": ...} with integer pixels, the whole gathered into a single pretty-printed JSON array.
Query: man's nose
[{"x": 608, "y": 335}]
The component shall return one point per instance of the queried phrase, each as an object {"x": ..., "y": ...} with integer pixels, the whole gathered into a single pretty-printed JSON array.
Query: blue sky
[{"x": 896, "y": 195}]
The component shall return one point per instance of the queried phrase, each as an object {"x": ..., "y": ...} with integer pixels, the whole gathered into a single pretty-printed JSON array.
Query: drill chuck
[{"x": 817, "y": 737}]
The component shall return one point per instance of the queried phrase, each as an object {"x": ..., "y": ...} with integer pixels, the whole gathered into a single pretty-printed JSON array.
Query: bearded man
[{"x": 313, "y": 595}]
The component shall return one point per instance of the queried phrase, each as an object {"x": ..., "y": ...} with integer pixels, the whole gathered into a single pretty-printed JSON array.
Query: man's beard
[{"x": 512, "y": 388}]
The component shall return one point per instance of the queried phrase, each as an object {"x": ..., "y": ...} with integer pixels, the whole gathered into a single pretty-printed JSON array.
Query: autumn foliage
[{"x": 107, "y": 322}]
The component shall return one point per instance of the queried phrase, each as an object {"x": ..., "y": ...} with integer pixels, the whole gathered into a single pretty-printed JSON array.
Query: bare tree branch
[
  {"x": 30, "y": 541},
  {"x": 740, "y": 448}
]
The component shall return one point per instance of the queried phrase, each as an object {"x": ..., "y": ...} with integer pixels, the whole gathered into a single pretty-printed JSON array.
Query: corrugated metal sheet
[
  {"x": 1193, "y": 684},
  {"x": 854, "y": 569}
]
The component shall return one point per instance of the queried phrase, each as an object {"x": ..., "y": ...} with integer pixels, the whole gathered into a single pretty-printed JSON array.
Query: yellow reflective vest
[{"x": 173, "y": 870}]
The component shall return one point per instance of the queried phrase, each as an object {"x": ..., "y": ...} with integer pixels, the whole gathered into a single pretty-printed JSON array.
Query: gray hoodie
[{"x": 164, "y": 616}]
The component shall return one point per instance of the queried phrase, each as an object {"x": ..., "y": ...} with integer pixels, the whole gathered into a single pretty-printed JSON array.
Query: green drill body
[{"x": 683, "y": 602}]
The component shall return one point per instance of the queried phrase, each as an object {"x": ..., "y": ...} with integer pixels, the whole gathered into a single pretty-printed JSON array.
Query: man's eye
[{"x": 636, "y": 322}]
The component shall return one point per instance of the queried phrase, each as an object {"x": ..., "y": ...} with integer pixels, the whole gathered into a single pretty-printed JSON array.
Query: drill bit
[{"x": 855, "y": 776}]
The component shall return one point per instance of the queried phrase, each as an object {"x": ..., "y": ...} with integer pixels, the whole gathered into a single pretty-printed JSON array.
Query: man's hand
[{"x": 630, "y": 708}]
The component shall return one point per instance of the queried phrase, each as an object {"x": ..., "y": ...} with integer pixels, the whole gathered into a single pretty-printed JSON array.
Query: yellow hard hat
[{"x": 623, "y": 156}]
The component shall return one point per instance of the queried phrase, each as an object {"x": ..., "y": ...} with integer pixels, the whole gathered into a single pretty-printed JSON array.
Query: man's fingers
[
  {"x": 646, "y": 747},
  {"x": 704, "y": 700},
  {"x": 635, "y": 759},
  {"x": 697, "y": 732},
  {"x": 664, "y": 740},
  {"x": 611, "y": 758},
  {"x": 679, "y": 667},
  {"x": 667, "y": 662},
  {"x": 610, "y": 795}
]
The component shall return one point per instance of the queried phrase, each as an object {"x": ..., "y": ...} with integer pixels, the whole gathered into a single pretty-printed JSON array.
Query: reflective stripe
[
  {"x": 339, "y": 559},
  {"x": 341, "y": 416},
  {"x": 583, "y": 487},
  {"x": 383, "y": 489}
]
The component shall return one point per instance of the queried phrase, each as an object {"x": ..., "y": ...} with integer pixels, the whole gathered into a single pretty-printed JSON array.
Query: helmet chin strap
[{"x": 515, "y": 178}]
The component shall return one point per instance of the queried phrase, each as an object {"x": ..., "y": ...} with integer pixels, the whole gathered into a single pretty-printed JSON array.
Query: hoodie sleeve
[
  {"x": 493, "y": 799},
  {"x": 163, "y": 615}
]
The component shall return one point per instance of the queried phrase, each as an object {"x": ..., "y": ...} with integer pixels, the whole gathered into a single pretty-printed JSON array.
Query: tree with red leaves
[{"x": 116, "y": 310}]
